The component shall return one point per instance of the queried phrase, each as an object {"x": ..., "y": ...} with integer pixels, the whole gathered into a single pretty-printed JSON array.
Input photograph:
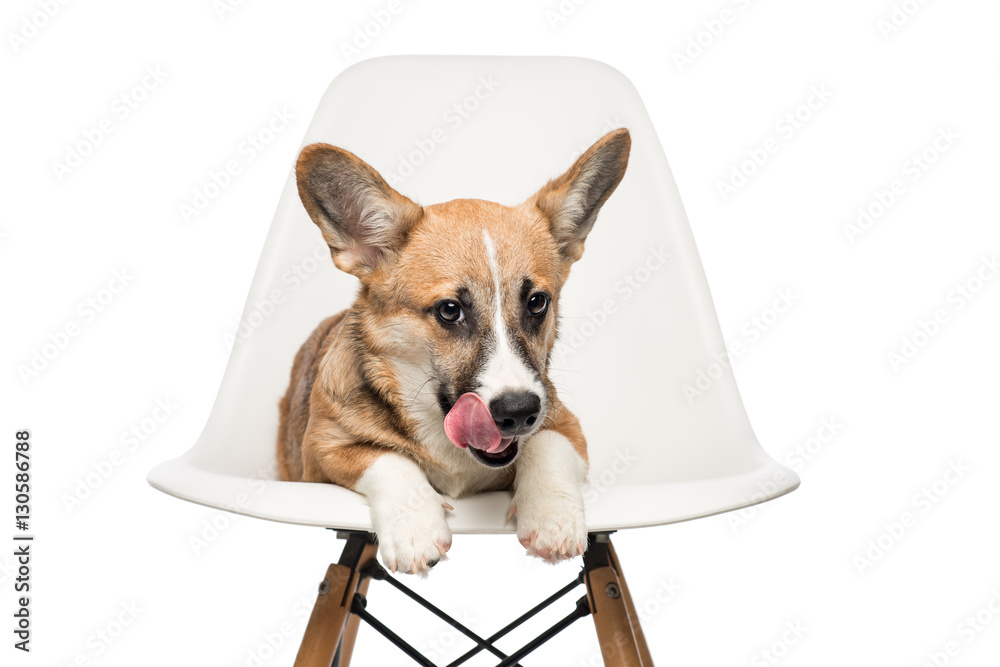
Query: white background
[{"x": 717, "y": 591}]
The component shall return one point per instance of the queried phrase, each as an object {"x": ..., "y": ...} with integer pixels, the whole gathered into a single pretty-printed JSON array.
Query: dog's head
[{"x": 460, "y": 299}]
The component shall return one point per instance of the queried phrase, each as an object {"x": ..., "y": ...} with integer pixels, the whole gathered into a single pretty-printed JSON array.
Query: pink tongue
[{"x": 470, "y": 424}]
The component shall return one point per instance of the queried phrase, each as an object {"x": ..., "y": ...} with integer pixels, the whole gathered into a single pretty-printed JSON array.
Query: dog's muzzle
[{"x": 470, "y": 424}]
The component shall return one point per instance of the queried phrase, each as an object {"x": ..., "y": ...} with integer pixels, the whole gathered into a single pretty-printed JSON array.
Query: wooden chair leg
[
  {"x": 618, "y": 631},
  {"x": 329, "y": 622},
  {"x": 353, "y": 622},
  {"x": 647, "y": 659}
]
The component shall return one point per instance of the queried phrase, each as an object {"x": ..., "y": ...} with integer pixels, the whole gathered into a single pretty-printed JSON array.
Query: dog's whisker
[{"x": 416, "y": 394}]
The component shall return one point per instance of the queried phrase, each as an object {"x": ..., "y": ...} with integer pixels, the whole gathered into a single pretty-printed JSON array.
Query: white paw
[
  {"x": 412, "y": 536},
  {"x": 407, "y": 514},
  {"x": 551, "y": 526},
  {"x": 548, "y": 498}
]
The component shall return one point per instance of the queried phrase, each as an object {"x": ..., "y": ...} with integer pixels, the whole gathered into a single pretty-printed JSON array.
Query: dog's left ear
[
  {"x": 362, "y": 218},
  {"x": 571, "y": 202}
]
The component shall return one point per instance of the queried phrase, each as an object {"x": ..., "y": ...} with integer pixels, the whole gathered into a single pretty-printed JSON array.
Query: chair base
[{"x": 342, "y": 605}]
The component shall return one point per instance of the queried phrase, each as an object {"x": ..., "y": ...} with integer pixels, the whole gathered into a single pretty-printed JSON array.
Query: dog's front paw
[
  {"x": 412, "y": 536},
  {"x": 551, "y": 527}
]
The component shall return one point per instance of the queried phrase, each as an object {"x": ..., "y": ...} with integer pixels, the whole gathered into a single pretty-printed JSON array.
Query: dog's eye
[
  {"x": 450, "y": 312},
  {"x": 538, "y": 304}
]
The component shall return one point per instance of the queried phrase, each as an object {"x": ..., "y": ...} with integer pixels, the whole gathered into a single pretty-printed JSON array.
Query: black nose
[{"x": 515, "y": 412}]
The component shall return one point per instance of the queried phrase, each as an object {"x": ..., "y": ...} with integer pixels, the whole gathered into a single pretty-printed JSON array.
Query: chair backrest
[{"x": 641, "y": 358}]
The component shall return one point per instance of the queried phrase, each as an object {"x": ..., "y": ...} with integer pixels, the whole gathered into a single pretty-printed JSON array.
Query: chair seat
[
  {"x": 640, "y": 359},
  {"x": 614, "y": 507}
]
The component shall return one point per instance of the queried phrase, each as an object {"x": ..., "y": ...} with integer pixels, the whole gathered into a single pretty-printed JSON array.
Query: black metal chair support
[
  {"x": 596, "y": 556},
  {"x": 520, "y": 620},
  {"x": 377, "y": 572}
]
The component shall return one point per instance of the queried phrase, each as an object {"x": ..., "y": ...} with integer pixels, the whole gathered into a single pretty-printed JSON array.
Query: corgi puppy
[{"x": 434, "y": 383}]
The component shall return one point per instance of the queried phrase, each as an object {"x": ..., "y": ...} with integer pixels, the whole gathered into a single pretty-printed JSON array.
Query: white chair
[{"x": 639, "y": 337}]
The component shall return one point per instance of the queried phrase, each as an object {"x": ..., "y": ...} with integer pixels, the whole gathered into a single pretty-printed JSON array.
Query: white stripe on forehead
[
  {"x": 491, "y": 255},
  {"x": 505, "y": 370}
]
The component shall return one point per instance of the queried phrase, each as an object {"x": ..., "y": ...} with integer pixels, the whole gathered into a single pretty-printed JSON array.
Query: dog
[{"x": 434, "y": 383}]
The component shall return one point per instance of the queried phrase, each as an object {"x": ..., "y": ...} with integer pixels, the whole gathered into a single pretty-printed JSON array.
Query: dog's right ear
[
  {"x": 362, "y": 218},
  {"x": 573, "y": 200}
]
